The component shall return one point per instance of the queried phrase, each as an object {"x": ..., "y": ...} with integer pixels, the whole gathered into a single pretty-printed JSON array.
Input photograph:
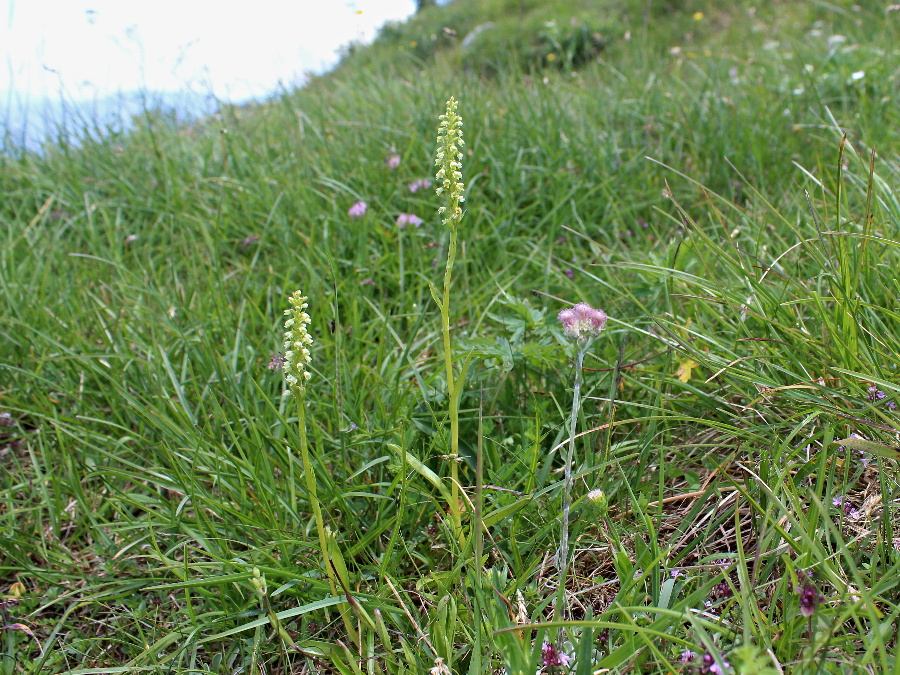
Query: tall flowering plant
[
  {"x": 296, "y": 367},
  {"x": 449, "y": 185},
  {"x": 581, "y": 323}
]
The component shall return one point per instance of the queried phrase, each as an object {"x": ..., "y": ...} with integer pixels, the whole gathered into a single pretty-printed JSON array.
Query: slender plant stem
[
  {"x": 402, "y": 271},
  {"x": 562, "y": 561},
  {"x": 451, "y": 385},
  {"x": 317, "y": 513},
  {"x": 311, "y": 489},
  {"x": 477, "y": 532}
]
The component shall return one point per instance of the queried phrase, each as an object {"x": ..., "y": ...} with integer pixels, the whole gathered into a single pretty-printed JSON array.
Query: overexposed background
[{"x": 87, "y": 54}]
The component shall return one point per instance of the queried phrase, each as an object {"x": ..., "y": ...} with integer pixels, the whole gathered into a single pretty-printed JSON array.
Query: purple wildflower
[
  {"x": 6, "y": 419},
  {"x": 405, "y": 219},
  {"x": 863, "y": 459},
  {"x": 249, "y": 241},
  {"x": 420, "y": 184},
  {"x": 569, "y": 272},
  {"x": 582, "y": 321},
  {"x": 392, "y": 161},
  {"x": 845, "y": 505},
  {"x": 277, "y": 361},
  {"x": 862, "y": 456},
  {"x": 709, "y": 665},
  {"x": 358, "y": 210},
  {"x": 687, "y": 656},
  {"x": 720, "y": 591},
  {"x": 553, "y": 657},
  {"x": 875, "y": 394},
  {"x": 891, "y": 405},
  {"x": 809, "y": 599}
]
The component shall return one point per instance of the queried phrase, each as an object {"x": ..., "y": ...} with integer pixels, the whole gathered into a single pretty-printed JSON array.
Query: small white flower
[
  {"x": 858, "y": 75},
  {"x": 448, "y": 161},
  {"x": 440, "y": 668},
  {"x": 297, "y": 340}
]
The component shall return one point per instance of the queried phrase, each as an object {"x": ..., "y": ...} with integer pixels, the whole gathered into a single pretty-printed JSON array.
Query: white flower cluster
[
  {"x": 449, "y": 162},
  {"x": 297, "y": 342}
]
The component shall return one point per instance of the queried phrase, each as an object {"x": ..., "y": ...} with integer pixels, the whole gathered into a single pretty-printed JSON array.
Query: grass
[{"x": 724, "y": 186}]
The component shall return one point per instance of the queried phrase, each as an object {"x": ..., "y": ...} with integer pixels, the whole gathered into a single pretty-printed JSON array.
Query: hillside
[{"x": 720, "y": 179}]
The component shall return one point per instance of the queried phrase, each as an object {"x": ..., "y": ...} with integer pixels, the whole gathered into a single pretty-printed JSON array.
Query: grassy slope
[{"x": 149, "y": 466}]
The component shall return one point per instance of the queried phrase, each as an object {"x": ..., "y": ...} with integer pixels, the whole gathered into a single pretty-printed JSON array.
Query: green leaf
[
  {"x": 435, "y": 294},
  {"x": 286, "y": 614},
  {"x": 503, "y": 512},
  {"x": 424, "y": 471},
  {"x": 585, "y": 649},
  {"x": 870, "y": 446}
]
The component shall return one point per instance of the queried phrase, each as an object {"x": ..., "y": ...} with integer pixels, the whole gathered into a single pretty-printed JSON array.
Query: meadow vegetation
[{"x": 721, "y": 179}]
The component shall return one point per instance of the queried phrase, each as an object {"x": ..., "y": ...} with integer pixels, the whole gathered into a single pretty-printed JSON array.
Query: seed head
[
  {"x": 448, "y": 160},
  {"x": 297, "y": 342},
  {"x": 597, "y": 496}
]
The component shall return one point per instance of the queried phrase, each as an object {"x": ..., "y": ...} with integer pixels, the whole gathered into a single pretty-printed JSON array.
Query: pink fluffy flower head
[
  {"x": 358, "y": 210},
  {"x": 405, "y": 219},
  {"x": 392, "y": 161},
  {"x": 420, "y": 184},
  {"x": 582, "y": 321}
]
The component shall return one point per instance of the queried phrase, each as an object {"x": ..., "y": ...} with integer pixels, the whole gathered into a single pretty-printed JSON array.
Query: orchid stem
[{"x": 451, "y": 385}]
